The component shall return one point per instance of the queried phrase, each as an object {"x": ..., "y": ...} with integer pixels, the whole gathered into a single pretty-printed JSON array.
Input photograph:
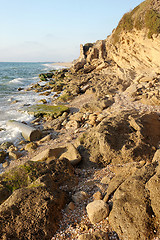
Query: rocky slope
[{"x": 98, "y": 159}]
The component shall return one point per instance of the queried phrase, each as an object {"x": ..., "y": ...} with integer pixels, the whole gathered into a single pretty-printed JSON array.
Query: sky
[{"x": 52, "y": 30}]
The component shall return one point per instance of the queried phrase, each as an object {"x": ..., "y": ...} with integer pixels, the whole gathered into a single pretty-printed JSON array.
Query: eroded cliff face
[
  {"x": 135, "y": 51},
  {"x": 134, "y": 45}
]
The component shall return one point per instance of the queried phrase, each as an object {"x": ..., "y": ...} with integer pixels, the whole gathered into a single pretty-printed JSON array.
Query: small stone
[
  {"x": 71, "y": 206},
  {"x": 79, "y": 196},
  {"x": 72, "y": 124},
  {"x": 45, "y": 139},
  {"x": 97, "y": 196},
  {"x": 97, "y": 211},
  {"x": 30, "y": 146},
  {"x": 6, "y": 145},
  {"x": 14, "y": 155},
  {"x": 5, "y": 164},
  {"x": 97, "y": 235}
]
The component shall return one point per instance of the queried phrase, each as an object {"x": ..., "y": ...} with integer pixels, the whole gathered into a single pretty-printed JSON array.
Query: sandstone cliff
[{"x": 134, "y": 45}]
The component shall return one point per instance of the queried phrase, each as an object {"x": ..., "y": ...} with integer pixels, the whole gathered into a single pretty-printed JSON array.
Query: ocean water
[{"x": 13, "y": 76}]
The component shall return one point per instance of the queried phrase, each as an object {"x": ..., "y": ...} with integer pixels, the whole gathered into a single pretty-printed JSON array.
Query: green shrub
[
  {"x": 138, "y": 23},
  {"x": 125, "y": 24},
  {"x": 152, "y": 21}
]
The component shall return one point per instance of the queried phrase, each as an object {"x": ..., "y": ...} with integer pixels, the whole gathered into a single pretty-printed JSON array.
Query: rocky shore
[{"x": 93, "y": 169}]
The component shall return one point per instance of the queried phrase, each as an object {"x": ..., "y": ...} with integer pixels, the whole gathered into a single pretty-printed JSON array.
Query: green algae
[
  {"x": 22, "y": 176},
  {"x": 41, "y": 110}
]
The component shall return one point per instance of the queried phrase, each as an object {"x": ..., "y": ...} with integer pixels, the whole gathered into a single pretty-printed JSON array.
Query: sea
[{"x": 14, "y": 75}]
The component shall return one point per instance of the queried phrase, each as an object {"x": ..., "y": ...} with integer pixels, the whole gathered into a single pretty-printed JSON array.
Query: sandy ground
[{"x": 63, "y": 64}]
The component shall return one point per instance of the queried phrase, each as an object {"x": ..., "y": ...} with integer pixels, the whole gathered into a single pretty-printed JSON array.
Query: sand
[{"x": 63, "y": 64}]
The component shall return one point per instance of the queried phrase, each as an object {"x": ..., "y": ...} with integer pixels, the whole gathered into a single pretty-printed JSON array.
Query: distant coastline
[{"x": 63, "y": 64}]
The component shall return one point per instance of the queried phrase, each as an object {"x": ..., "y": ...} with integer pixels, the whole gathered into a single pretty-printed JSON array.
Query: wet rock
[
  {"x": 5, "y": 145},
  {"x": 47, "y": 110},
  {"x": 97, "y": 211},
  {"x": 14, "y": 154},
  {"x": 2, "y": 156}
]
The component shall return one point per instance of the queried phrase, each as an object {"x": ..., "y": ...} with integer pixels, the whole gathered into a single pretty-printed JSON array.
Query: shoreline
[{"x": 63, "y": 64}]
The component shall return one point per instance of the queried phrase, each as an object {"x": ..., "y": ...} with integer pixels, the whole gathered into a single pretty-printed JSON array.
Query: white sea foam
[{"x": 17, "y": 80}]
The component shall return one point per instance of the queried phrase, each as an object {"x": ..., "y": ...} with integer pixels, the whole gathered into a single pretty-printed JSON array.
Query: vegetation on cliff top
[{"x": 144, "y": 16}]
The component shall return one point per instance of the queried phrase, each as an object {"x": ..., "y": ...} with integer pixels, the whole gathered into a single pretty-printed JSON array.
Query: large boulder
[
  {"x": 32, "y": 202},
  {"x": 123, "y": 137},
  {"x": 132, "y": 216},
  {"x": 32, "y": 212},
  {"x": 72, "y": 154}
]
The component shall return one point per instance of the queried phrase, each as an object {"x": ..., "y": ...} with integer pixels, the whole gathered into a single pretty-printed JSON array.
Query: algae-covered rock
[
  {"x": 31, "y": 199},
  {"x": 47, "y": 110},
  {"x": 45, "y": 76},
  {"x": 2, "y": 156}
]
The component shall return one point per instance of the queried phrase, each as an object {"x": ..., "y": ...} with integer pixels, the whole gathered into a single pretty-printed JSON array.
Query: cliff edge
[{"x": 134, "y": 45}]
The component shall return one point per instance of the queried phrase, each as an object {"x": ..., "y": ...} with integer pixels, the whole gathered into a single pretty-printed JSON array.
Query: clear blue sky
[{"x": 52, "y": 30}]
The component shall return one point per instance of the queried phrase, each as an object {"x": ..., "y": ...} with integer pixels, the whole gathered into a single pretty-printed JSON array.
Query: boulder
[
  {"x": 47, "y": 110},
  {"x": 49, "y": 153},
  {"x": 32, "y": 199},
  {"x": 97, "y": 211},
  {"x": 32, "y": 211},
  {"x": 118, "y": 138},
  {"x": 132, "y": 215},
  {"x": 153, "y": 185},
  {"x": 14, "y": 154},
  {"x": 72, "y": 154}
]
